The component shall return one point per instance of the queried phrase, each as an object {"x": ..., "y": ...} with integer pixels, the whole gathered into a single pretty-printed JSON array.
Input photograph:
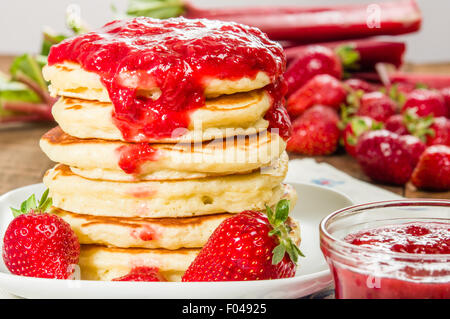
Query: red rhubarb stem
[
  {"x": 433, "y": 81},
  {"x": 22, "y": 118},
  {"x": 43, "y": 94},
  {"x": 43, "y": 110},
  {"x": 193, "y": 11},
  {"x": 311, "y": 25},
  {"x": 370, "y": 52}
]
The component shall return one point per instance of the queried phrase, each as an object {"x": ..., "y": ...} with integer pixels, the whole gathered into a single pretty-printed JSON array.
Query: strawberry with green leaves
[
  {"x": 355, "y": 127},
  {"x": 429, "y": 129},
  {"x": 39, "y": 244},
  {"x": 426, "y": 102},
  {"x": 377, "y": 106},
  {"x": 249, "y": 246}
]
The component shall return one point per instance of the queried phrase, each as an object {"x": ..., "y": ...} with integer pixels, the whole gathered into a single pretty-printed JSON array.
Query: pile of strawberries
[{"x": 397, "y": 133}]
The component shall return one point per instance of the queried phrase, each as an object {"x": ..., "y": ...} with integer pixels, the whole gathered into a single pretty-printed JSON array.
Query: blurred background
[{"x": 21, "y": 22}]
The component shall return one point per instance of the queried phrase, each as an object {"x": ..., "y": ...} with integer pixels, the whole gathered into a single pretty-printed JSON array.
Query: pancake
[
  {"x": 71, "y": 80},
  {"x": 241, "y": 113},
  {"x": 175, "y": 198},
  {"x": 168, "y": 233},
  {"x": 99, "y": 159},
  {"x": 107, "y": 263}
]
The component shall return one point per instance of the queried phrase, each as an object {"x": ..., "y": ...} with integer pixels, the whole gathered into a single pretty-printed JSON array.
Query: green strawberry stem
[
  {"x": 30, "y": 205},
  {"x": 281, "y": 230},
  {"x": 419, "y": 126},
  {"x": 349, "y": 57}
]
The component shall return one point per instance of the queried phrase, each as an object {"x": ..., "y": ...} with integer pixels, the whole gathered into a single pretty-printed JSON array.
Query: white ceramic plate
[{"x": 314, "y": 203}]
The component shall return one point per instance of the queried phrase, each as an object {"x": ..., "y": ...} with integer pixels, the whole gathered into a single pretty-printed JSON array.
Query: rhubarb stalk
[
  {"x": 302, "y": 24},
  {"x": 430, "y": 80},
  {"x": 369, "y": 53}
]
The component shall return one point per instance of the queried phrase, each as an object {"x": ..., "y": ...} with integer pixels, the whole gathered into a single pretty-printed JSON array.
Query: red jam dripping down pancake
[
  {"x": 175, "y": 55},
  {"x": 131, "y": 156}
]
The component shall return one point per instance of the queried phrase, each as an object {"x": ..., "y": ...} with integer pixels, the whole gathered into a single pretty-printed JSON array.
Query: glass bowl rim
[{"x": 381, "y": 204}]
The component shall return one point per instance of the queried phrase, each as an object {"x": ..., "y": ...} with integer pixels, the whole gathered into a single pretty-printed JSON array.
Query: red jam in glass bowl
[{"x": 387, "y": 250}]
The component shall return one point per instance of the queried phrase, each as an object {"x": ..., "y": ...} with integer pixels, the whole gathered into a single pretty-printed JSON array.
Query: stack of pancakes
[{"x": 160, "y": 215}]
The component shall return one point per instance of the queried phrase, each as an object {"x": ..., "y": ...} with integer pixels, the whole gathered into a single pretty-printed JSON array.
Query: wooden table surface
[{"x": 23, "y": 163}]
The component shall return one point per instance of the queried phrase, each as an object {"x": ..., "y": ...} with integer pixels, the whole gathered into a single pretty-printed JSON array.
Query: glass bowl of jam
[{"x": 389, "y": 250}]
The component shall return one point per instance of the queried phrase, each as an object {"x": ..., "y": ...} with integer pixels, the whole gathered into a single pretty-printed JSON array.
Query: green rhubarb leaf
[
  {"x": 50, "y": 38},
  {"x": 12, "y": 91},
  {"x": 29, "y": 68},
  {"x": 159, "y": 9}
]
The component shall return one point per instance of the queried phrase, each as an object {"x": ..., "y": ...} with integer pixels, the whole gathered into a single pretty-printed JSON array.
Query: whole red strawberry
[
  {"x": 38, "y": 244},
  {"x": 142, "y": 274},
  {"x": 316, "y": 132},
  {"x": 414, "y": 146},
  {"x": 322, "y": 89},
  {"x": 355, "y": 127},
  {"x": 433, "y": 170},
  {"x": 429, "y": 129},
  {"x": 388, "y": 157},
  {"x": 377, "y": 106},
  {"x": 248, "y": 246},
  {"x": 439, "y": 132},
  {"x": 313, "y": 61},
  {"x": 396, "y": 124},
  {"x": 426, "y": 102}
]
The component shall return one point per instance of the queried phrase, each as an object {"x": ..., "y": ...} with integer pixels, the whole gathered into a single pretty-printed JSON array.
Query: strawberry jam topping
[
  {"x": 414, "y": 238},
  {"x": 397, "y": 278},
  {"x": 155, "y": 70},
  {"x": 131, "y": 156}
]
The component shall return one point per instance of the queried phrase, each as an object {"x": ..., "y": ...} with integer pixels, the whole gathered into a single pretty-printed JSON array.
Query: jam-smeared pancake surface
[
  {"x": 236, "y": 114},
  {"x": 158, "y": 72},
  {"x": 114, "y": 160}
]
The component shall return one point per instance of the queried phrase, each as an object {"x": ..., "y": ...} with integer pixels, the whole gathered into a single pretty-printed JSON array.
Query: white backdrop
[{"x": 21, "y": 22}]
